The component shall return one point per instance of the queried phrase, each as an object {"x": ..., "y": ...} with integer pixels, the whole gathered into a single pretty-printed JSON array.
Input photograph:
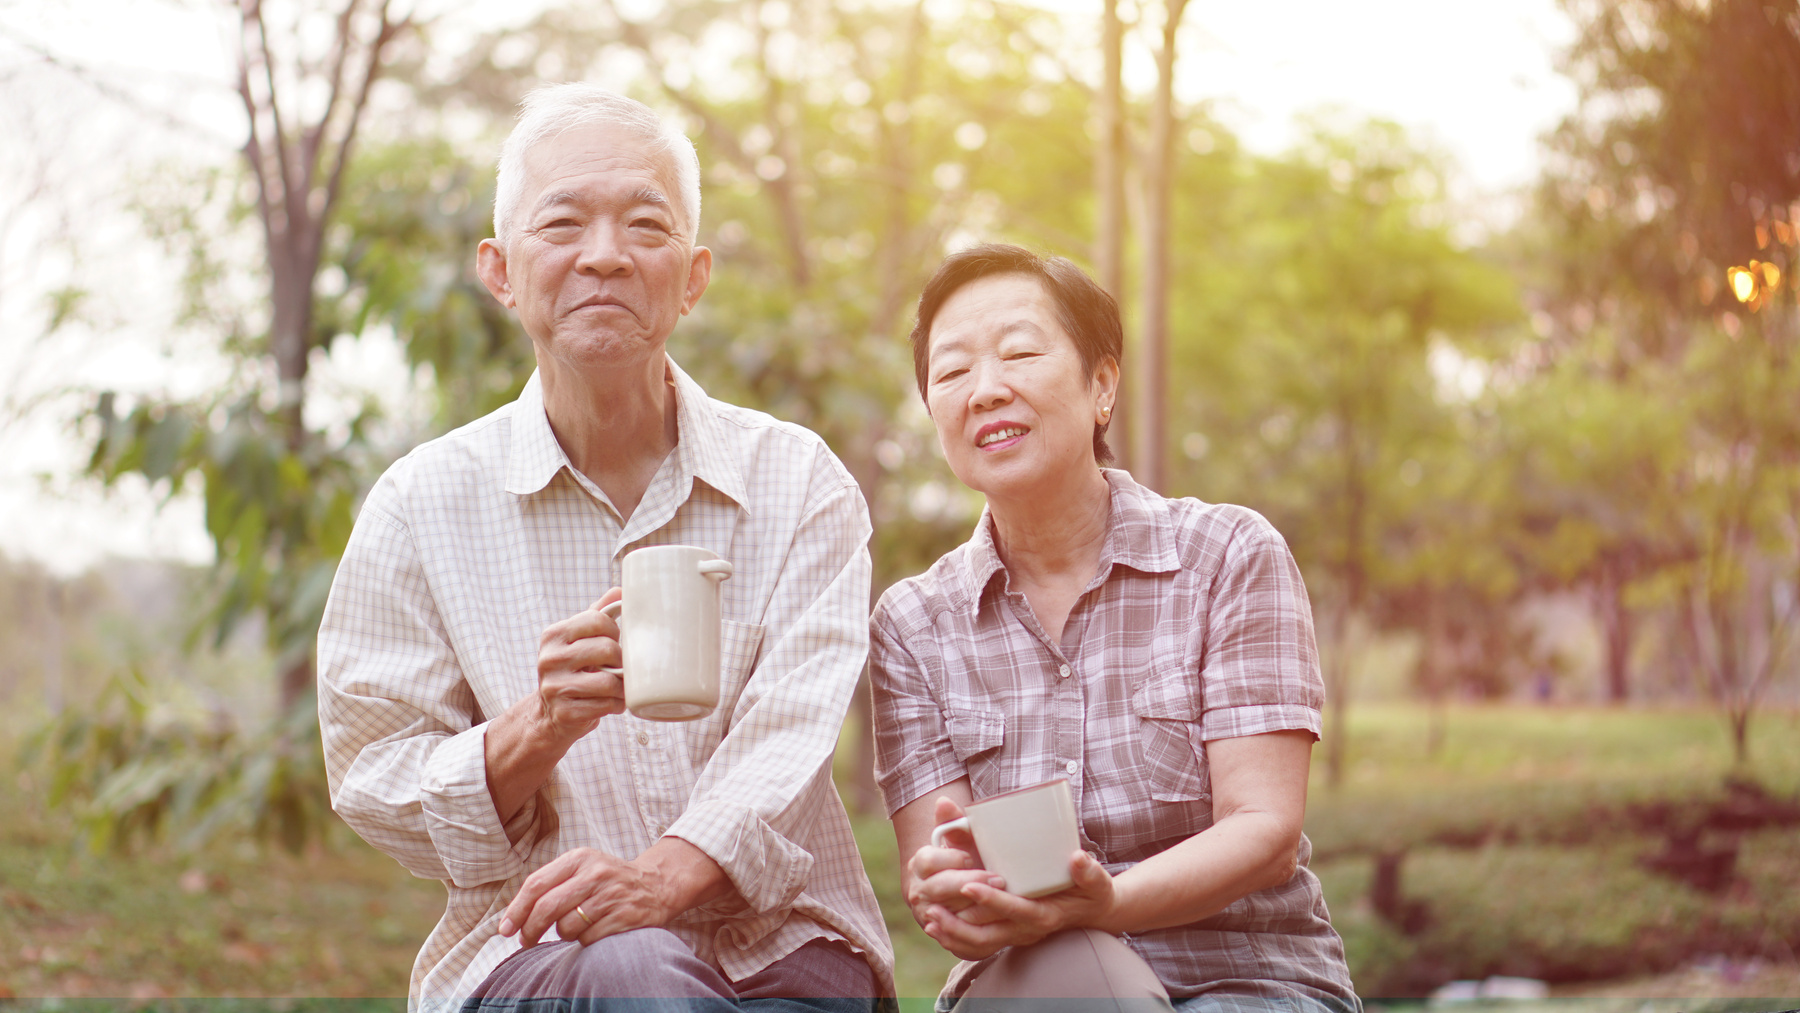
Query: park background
[{"x": 1535, "y": 442}]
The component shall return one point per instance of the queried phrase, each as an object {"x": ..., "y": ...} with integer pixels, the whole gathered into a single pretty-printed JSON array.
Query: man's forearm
[
  {"x": 683, "y": 875},
  {"x": 521, "y": 752}
]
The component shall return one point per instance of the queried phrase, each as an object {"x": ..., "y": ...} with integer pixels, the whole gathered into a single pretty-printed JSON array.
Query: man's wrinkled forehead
[{"x": 602, "y": 147}]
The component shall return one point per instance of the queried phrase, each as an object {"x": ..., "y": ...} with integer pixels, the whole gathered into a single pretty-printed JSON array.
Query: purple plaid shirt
[{"x": 1195, "y": 627}]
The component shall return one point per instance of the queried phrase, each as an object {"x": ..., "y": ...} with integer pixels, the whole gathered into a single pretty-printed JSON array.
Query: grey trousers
[
  {"x": 653, "y": 971},
  {"x": 1077, "y": 971},
  {"x": 1088, "y": 971}
]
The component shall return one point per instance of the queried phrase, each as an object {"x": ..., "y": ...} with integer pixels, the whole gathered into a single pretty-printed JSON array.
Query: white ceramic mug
[
  {"x": 669, "y": 631},
  {"x": 1027, "y": 836}
]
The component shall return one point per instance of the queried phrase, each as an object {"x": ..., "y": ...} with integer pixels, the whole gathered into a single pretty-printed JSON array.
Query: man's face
[{"x": 601, "y": 266}]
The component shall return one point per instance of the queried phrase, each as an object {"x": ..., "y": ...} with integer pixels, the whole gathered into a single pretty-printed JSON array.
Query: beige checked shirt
[
  {"x": 468, "y": 547},
  {"x": 1195, "y": 627}
]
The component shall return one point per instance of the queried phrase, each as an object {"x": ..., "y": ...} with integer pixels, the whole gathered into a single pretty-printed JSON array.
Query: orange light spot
[
  {"x": 1742, "y": 282},
  {"x": 1771, "y": 276}
]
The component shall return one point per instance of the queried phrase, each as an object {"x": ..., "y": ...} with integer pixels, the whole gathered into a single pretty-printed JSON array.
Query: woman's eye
[
  {"x": 1021, "y": 355},
  {"x": 951, "y": 375}
]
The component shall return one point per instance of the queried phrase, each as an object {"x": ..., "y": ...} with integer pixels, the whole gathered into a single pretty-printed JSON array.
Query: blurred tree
[
  {"x": 1672, "y": 203},
  {"x": 1151, "y": 455},
  {"x": 1331, "y": 335},
  {"x": 1110, "y": 152},
  {"x": 278, "y": 501}
]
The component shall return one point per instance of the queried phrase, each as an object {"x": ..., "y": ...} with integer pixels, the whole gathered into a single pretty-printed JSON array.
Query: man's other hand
[{"x": 589, "y": 895}]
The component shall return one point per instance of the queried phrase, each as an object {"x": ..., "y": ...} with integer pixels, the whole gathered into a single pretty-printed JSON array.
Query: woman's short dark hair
[{"x": 1085, "y": 310}]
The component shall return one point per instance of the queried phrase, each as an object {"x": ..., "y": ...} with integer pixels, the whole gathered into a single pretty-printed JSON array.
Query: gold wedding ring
[{"x": 583, "y": 914}]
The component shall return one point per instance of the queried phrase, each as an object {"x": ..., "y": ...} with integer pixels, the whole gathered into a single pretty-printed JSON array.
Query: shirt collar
[
  {"x": 1140, "y": 534},
  {"x": 701, "y": 450}
]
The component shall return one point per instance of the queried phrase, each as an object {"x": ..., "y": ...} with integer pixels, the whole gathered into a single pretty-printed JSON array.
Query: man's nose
[{"x": 603, "y": 250}]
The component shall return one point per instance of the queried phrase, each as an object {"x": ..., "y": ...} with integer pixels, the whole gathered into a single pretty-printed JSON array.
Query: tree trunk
[
  {"x": 1615, "y": 621},
  {"x": 1153, "y": 354},
  {"x": 1740, "y": 736},
  {"x": 895, "y": 251},
  {"x": 296, "y": 682},
  {"x": 1351, "y": 586},
  {"x": 1109, "y": 225},
  {"x": 865, "y": 794}
]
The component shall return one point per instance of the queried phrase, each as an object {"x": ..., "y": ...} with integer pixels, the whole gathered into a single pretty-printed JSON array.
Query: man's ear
[
  {"x": 490, "y": 266},
  {"x": 699, "y": 276}
]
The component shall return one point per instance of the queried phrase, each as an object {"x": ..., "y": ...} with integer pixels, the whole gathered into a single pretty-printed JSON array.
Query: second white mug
[
  {"x": 669, "y": 631},
  {"x": 1027, "y": 836}
]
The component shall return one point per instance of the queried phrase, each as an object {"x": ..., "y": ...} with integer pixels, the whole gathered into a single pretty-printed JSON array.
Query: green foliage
[{"x": 134, "y": 772}]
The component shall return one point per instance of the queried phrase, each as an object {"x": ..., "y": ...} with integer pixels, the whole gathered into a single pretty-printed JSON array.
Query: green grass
[
  {"x": 231, "y": 920},
  {"x": 1554, "y": 890},
  {"x": 1547, "y": 880}
]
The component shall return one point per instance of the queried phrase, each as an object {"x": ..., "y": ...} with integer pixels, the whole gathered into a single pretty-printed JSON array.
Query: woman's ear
[{"x": 1106, "y": 389}]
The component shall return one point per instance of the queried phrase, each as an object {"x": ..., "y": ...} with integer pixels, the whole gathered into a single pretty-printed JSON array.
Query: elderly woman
[{"x": 1158, "y": 653}]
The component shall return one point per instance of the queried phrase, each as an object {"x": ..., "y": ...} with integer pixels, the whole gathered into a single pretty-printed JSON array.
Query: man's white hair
[{"x": 552, "y": 109}]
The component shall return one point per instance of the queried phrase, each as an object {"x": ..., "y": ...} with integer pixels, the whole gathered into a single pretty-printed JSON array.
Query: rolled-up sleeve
[
  {"x": 759, "y": 793},
  {"x": 1261, "y": 672},
  {"x": 403, "y": 754},
  {"x": 913, "y": 754}
]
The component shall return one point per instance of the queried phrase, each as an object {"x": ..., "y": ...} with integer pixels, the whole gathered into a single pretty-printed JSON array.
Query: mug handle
[
  {"x": 614, "y": 610},
  {"x": 717, "y": 569},
  {"x": 942, "y": 830}
]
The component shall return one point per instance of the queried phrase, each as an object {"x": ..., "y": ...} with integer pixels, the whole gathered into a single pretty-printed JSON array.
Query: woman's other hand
[
  {"x": 935, "y": 876},
  {"x": 993, "y": 919}
]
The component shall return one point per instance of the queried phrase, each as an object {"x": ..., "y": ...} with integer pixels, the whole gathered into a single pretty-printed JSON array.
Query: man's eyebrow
[
  {"x": 550, "y": 200},
  {"x": 653, "y": 196}
]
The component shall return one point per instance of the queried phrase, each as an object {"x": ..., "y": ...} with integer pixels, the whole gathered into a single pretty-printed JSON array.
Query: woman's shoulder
[
  {"x": 1199, "y": 530},
  {"x": 916, "y": 602}
]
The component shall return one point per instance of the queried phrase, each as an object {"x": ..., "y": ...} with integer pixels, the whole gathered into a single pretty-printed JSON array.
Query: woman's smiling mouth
[{"x": 1003, "y": 433}]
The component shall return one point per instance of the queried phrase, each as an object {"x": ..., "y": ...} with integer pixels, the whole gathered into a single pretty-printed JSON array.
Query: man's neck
[{"x": 615, "y": 427}]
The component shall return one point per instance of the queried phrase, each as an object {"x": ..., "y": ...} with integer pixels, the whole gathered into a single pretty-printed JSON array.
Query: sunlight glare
[{"x": 1742, "y": 282}]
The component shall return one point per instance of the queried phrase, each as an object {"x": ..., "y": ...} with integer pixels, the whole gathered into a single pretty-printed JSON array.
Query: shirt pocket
[
  {"x": 738, "y": 645},
  {"x": 1168, "y": 712},
  {"x": 975, "y": 738}
]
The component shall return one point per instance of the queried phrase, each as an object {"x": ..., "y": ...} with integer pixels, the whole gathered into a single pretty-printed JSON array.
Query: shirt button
[
  {"x": 643, "y": 738},
  {"x": 1063, "y": 671},
  {"x": 1071, "y": 766}
]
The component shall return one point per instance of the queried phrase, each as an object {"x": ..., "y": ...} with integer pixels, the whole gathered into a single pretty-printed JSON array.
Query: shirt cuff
[
  {"x": 460, "y": 816},
  {"x": 1255, "y": 719},
  {"x": 916, "y": 775},
  {"x": 768, "y": 870}
]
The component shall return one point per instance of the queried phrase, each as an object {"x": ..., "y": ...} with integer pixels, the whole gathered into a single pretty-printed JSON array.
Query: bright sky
[{"x": 1477, "y": 79}]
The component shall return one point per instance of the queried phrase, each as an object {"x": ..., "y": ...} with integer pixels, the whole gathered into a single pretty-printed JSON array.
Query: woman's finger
[{"x": 929, "y": 861}]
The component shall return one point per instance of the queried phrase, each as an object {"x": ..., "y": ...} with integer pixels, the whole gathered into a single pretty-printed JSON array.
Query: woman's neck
[{"x": 1052, "y": 534}]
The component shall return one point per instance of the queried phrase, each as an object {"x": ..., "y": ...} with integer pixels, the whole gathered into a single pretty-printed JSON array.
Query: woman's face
[{"x": 1004, "y": 383}]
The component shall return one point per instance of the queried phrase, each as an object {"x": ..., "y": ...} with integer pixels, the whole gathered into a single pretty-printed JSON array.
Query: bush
[{"x": 136, "y": 771}]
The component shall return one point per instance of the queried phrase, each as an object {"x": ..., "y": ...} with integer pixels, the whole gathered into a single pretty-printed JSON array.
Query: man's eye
[{"x": 649, "y": 223}]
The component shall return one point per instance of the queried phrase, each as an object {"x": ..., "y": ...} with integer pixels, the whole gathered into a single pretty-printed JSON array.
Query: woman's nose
[{"x": 990, "y": 389}]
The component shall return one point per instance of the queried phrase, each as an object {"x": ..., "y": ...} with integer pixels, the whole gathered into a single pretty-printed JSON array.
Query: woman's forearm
[
  {"x": 1259, "y": 802},
  {"x": 1203, "y": 875}
]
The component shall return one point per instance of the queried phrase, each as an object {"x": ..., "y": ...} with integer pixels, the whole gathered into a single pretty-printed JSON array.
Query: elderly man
[{"x": 469, "y": 730}]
